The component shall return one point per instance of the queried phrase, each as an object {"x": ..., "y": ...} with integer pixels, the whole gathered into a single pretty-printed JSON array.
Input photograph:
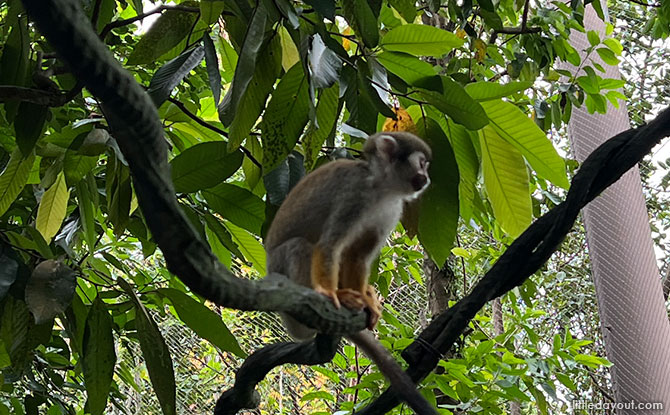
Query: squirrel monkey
[{"x": 332, "y": 225}]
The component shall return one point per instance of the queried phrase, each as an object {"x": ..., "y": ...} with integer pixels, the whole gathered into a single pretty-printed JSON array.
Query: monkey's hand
[
  {"x": 332, "y": 294},
  {"x": 373, "y": 305},
  {"x": 351, "y": 298}
]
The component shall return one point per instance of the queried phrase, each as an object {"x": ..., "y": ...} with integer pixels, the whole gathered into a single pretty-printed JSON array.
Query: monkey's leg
[
  {"x": 352, "y": 270},
  {"x": 324, "y": 274}
]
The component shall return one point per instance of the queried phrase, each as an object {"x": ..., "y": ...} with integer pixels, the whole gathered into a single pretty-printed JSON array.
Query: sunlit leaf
[
  {"x": 420, "y": 40},
  {"x": 52, "y": 209},
  {"x": 506, "y": 181}
]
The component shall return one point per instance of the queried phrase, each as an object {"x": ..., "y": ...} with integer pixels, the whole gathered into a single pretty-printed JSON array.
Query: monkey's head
[{"x": 401, "y": 159}]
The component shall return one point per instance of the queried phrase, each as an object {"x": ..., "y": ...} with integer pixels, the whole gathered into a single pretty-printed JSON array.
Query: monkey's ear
[{"x": 387, "y": 146}]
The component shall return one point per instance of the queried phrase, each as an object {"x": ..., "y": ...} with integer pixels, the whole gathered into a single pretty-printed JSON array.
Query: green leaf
[
  {"x": 14, "y": 178},
  {"x": 608, "y": 56},
  {"x": 289, "y": 52},
  {"x": 406, "y": 8},
  {"x": 592, "y": 361},
  {"x": 327, "y": 110},
  {"x": 52, "y": 209},
  {"x": 204, "y": 165},
  {"x": 409, "y": 68},
  {"x": 99, "y": 357},
  {"x": 156, "y": 353},
  {"x": 594, "y": 38},
  {"x": 28, "y": 125},
  {"x": 285, "y": 117},
  {"x": 167, "y": 32},
  {"x": 326, "y": 8},
  {"x": 438, "y": 214},
  {"x": 246, "y": 65},
  {"x": 255, "y": 97},
  {"x": 457, "y": 104},
  {"x": 420, "y": 40},
  {"x": 519, "y": 130},
  {"x": 252, "y": 250},
  {"x": 203, "y": 321},
  {"x": 468, "y": 165},
  {"x": 75, "y": 166},
  {"x": 484, "y": 91},
  {"x": 212, "y": 64},
  {"x": 614, "y": 45},
  {"x": 210, "y": 10},
  {"x": 362, "y": 19},
  {"x": 86, "y": 213},
  {"x": 168, "y": 76},
  {"x": 222, "y": 234},
  {"x": 49, "y": 290},
  {"x": 228, "y": 58},
  {"x": 238, "y": 205},
  {"x": 506, "y": 182}
]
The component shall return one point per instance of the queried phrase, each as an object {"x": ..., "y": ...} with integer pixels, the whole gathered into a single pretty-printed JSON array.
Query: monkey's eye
[{"x": 423, "y": 163}]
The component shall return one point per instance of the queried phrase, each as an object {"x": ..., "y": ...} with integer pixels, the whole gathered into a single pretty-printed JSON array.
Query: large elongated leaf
[
  {"x": 204, "y": 165},
  {"x": 224, "y": 237},
  {"x": 327, "y": 110},
  {"x": 409, "y": 68},
  {"x": 171, "y": 28},
  {"x": 484, "y": 91},
  {"x": 438, "y": 215},
  {"x": 212, "y": 63},
  {"x": 204, "y": 322},
  {"x": 360, "y": 16},
  {"x": 99, "y": 357},
  {"x": 468, "y": 165},
  {"x": 285, "y": 117},
  {"x": 14, "y": 177},
  {"x": 519, "y": 130},
  {"x": 238, "y": 205},
  {"x": 52, "y": 208},
  {"x": 28, "y": 125},
  {"x": 86, "y": 213},
  {"x": 253, "y": 102},
  {"x": 457, "y": 104},
  {"x": 246, "y": 64},
  {"x": 252, "y": 249},
  {"x": 420, "y": 40},
  {"x": 506, "y": 181},
  {"x": 172, "y": 73},
  {"x": 156, "y": 353}
]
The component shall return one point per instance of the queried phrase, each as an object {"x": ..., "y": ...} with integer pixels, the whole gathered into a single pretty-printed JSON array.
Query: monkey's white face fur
[{"x": 403, "y": 166}]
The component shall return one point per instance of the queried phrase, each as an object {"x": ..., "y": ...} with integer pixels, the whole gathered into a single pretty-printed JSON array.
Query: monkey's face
[
  {"x": 416, "y": 173},
  {"x": 403, "y": 158}
]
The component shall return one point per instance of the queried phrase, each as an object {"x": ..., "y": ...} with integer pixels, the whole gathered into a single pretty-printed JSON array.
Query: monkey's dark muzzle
[{"x": 419, "y": 182}]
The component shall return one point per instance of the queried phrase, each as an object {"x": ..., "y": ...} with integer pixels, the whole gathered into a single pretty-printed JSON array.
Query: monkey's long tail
[{"x": 401, "y": 383}]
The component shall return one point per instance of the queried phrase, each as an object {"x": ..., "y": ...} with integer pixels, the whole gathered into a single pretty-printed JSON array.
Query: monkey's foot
[
  {"x": 351, "y": 298},
  {"x": 332, "y": 294},
  {"x": 373, "y": 306}
]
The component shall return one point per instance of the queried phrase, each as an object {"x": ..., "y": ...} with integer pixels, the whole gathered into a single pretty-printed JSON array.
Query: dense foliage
[{"x": 253, "y": 95}]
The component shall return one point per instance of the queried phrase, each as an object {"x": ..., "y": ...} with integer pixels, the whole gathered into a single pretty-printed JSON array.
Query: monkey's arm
[{"x": 401, "y": 383}]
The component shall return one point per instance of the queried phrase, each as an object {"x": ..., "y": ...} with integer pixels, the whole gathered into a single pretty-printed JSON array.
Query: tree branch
[
  {"x": 214, "y": 128},
  {"x": 243, "y": 396}
]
